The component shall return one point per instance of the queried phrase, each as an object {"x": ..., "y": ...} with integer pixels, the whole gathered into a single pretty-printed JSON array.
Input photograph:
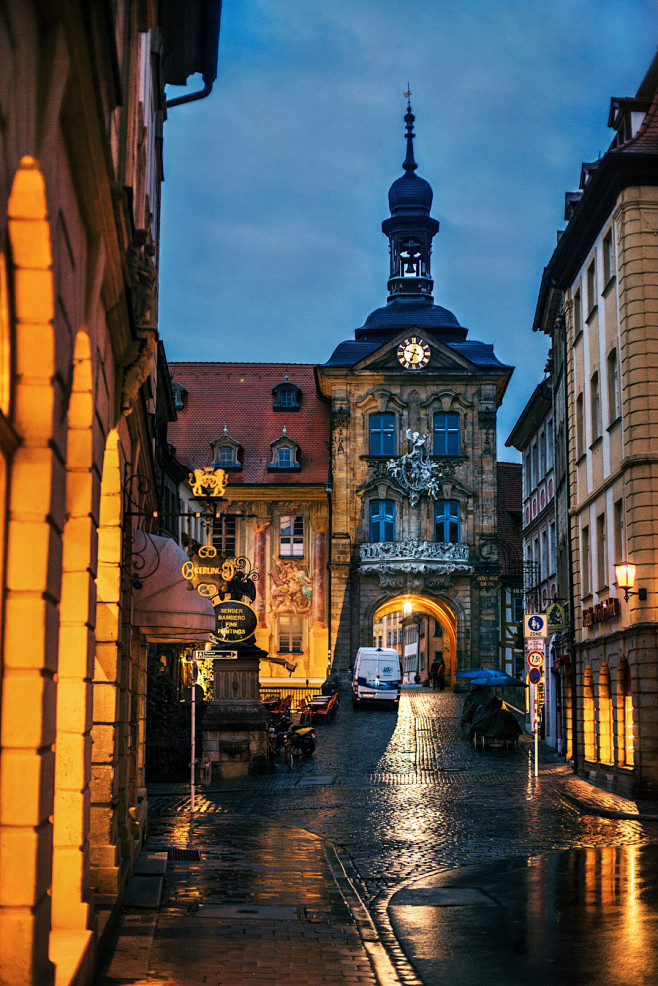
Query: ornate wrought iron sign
[{"x": 208, "y": 483}]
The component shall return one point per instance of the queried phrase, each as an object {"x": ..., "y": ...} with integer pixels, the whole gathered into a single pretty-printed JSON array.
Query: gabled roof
[
  {"x": 239, "y": 395},
  {"x": 351, "y": 352}
]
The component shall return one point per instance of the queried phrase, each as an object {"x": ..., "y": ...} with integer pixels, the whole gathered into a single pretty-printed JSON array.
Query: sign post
[{"x": 535, "y": 632}]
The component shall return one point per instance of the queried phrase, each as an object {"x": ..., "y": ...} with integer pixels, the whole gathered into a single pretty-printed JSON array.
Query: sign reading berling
[{"x": 236, "y": 621}]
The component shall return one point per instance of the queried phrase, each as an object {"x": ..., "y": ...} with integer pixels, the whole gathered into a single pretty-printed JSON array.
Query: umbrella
[{"x": 489, "y": 677}]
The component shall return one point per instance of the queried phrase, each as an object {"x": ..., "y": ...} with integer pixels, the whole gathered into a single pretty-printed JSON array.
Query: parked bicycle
[{"x": 296, "y": 740}]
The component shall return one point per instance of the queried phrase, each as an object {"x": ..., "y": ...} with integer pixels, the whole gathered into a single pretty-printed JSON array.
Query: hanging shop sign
[
  {"x": 609, "y": 609},
  {"x": 235, "y": 622},
  {"x": 555, "y": 617}
]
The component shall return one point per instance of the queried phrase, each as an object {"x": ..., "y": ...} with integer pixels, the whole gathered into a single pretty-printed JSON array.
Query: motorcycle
[{"x": 295, "y": 740}]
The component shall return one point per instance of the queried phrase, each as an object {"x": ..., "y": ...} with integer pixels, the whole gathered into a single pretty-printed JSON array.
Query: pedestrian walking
[
  {"x": 434, "y": 671},
  {"x": 441, "y": 675}
]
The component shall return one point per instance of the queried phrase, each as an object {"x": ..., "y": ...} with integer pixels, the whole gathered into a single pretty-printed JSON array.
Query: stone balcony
[{"x": 413, "y": 557}]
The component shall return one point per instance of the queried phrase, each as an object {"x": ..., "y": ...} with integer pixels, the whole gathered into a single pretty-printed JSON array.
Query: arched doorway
[{"x": 437, "y": 612}]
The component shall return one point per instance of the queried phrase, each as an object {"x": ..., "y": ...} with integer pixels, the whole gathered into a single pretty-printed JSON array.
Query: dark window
[
  {"x": 446, "y": 433},
  {"x": 291, "y": 536},
  {"x": 284, "y": 458},
  {"x": 382, "y": 434},
  {"x": 446, "y": 520},
  {"x": 286, "y": 397},
  {"x": 291, "y": 634},
  {"x": 224, "y": 535},
  {"x": 226, "y": 456},
  {"x": 518, "y": 609},
  {"x": 382, "y": 520}
]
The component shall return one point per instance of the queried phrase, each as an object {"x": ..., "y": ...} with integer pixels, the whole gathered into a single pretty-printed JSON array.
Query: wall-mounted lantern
[{"x": 625, "y": 573}]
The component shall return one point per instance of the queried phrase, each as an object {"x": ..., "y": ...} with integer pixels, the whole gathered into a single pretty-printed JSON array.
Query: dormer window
[
  {"x": 227, "y": 452},
  {"x": 286, "y": 396},
  {"x": 179, "y": 393},
  {"x": 285, "y": 454}
]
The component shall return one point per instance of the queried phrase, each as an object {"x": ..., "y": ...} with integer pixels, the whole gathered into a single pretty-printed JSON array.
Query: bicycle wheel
[{"x": 290, "y": 757}]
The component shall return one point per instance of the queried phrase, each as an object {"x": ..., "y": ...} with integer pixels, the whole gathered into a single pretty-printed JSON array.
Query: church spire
[{"x": 410, "y": 229}]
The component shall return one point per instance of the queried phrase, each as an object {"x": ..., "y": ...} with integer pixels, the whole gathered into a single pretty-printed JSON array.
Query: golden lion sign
[{"x": 208, "y": 481}]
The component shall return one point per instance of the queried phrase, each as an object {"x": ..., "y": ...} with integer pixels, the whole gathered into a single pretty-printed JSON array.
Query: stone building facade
[
  {"x": 413, "y": 456},
  {"x": 82, "y": 109},
  {"x": 264, "y": 424},
  {"x": 598, "y": 303}
]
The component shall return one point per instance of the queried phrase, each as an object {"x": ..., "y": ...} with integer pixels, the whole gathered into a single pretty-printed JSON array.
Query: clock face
[{"x": 413, "y": 353}]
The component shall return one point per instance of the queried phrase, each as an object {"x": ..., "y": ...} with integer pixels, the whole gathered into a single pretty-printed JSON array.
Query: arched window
[
  {"x": 605, "y": 716},
  {"x": 589, "y": 724},
  {"x": 381, "y": 434}
]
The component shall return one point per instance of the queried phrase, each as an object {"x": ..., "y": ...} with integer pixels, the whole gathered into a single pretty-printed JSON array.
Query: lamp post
[{"x": 625, "y": 574}]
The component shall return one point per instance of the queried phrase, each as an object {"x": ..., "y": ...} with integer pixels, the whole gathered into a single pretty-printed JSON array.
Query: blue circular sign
[{"x": 535, "y": 675}]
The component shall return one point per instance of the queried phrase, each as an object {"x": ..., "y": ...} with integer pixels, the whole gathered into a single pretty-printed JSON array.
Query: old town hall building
[{"x": 380, "y": 473}]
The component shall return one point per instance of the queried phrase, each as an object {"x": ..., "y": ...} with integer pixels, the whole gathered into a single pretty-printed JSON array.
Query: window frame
[
  {"x": 443, "y": 438},
  {"x": 294, "y": 539},
  {"x": 222, "y": 540},
  {"x": 382, "y": 519},
  {"x": 293, "y": 631},
  {"x": 377, "y": 435},
  {"x": 447, "y": 520}
]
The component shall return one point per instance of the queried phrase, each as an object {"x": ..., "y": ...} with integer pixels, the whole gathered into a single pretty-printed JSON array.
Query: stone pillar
[
  {"x": 318, "y": 578},
  {"x": 261, "y": 527},
  {"x": 235, "y": 723}
]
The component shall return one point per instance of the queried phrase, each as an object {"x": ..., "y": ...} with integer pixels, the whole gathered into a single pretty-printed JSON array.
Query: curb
[{"x": 591, "y": 808}]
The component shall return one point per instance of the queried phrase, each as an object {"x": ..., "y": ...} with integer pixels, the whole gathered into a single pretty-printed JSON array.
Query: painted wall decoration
[{"x": 291, "y": 589}]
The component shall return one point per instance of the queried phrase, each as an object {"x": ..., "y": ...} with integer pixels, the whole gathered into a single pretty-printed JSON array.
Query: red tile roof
[{"x": 239, "y": 395}]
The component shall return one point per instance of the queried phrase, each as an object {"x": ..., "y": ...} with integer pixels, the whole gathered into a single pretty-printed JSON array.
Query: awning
[{"x": 164, "y": 609}]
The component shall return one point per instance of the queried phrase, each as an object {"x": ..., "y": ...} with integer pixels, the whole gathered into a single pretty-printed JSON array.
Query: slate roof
[
  {"x": 240, "y": 396},
  {"x": 402, "y": 313},
  {"x": 352, "y": 351}
]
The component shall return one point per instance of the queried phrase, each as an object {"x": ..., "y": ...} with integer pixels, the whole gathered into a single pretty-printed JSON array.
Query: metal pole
[
  {"x": 192, "y": 768},
  {"x": 536, "y": 736}
]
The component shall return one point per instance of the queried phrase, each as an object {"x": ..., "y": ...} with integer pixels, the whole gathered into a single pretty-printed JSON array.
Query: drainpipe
[{"x": 191, "y": 96}]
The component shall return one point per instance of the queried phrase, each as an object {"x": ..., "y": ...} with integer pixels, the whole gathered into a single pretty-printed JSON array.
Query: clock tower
[{"x": 413, "y": 465}]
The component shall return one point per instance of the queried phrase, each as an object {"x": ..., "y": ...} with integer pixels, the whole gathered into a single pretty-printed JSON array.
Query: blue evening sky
[{"x": 276, "y": 185}]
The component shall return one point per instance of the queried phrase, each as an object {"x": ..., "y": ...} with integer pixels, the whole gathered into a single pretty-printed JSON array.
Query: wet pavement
[{"x": 399, "y": 854}]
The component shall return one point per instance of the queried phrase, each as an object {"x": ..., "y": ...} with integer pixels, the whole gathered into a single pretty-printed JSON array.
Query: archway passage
[{"x": 409, "y": 607}]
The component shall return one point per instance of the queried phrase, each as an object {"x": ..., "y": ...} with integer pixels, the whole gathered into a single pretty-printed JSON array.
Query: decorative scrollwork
[{"x": 414, "y": 471}]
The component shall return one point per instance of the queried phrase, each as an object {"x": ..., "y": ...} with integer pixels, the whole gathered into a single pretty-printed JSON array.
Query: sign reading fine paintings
[{"x": 235, "y": 621}]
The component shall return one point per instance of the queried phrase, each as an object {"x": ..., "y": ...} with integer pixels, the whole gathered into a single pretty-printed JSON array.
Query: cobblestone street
[{"x": 286, "y": 862}]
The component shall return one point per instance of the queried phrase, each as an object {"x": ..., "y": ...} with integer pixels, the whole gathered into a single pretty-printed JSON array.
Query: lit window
[
  {"x": 382, "y": 434},
  {"x": 446, "y": 433},
  {"x": 382, "y": 520},
  {"x": 446, "y": 521},
  {"x": 291, "y": 634},
  {"x": 291, "y": 537}
]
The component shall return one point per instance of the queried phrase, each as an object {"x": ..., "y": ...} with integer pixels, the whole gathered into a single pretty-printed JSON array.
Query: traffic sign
[
  {"x": 535, "y": 625},
  {"x": 535, "y": 675},
  {"x": 216, "y": 655},
  {"x": 535, "y": 658},
  {"x": 539, "y": 693}
]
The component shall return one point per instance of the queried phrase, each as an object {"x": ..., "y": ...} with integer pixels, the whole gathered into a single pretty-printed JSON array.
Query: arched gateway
[{"x": 410, "y": 607}]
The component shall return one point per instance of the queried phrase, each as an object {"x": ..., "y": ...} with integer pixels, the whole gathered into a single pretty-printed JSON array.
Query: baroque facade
[
  {"x": 598, "y": 303},
  {"x": 82, "y": 108},
  {"x": 413, "y": 456}
]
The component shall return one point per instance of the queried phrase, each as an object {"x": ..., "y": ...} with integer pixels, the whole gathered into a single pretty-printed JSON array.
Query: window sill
[
  {"x": 581, "y": 458},
  {"x": 609, "y": 285},
  {"x": 592, "y": 313},
  {"x": 284, "y": 468},
  {"x": 280, "y": 407},
  {"x": 235, "y": 467},
  {"x": 577, "y": 336},
  {"x": 613, "y": 424},
  {"x": 595, "y": 444},
  {"x": 290, "y": 557}
]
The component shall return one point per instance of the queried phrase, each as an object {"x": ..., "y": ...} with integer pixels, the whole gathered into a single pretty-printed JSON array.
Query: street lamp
[
  {"x": 407, "y": 608},
  {"x": 625, "y": 573}
]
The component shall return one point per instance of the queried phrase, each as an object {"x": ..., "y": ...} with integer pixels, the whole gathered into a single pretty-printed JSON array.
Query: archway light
[{"x": 408, "y": 608}]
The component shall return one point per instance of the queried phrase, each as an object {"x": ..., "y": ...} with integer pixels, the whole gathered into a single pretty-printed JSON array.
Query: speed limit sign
[{"x": 535, "y": 659}]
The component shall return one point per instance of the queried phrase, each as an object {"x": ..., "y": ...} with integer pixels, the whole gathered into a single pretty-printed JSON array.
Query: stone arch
[
  {"x": 604, "y": 708},
  {"x": 438, "y": 609},
  {"x": 105, "y": 871},
  {"x": 35, "y": 500},
  {"x": 74, "y": 696},
  {"x": 625, "y": 725},
  {"x": 589, "y": 723}
]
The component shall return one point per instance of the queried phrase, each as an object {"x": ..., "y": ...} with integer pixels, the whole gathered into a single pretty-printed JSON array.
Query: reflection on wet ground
[{"x": 582, "y": 916}]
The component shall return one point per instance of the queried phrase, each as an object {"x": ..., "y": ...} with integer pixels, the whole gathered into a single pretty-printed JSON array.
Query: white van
[{"x": 377, "y": 676}]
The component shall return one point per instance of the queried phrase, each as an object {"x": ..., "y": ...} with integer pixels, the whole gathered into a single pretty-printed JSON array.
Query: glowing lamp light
[
  {"x": 408, "y": 608},
  {"x": 625, "y": 574}
]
